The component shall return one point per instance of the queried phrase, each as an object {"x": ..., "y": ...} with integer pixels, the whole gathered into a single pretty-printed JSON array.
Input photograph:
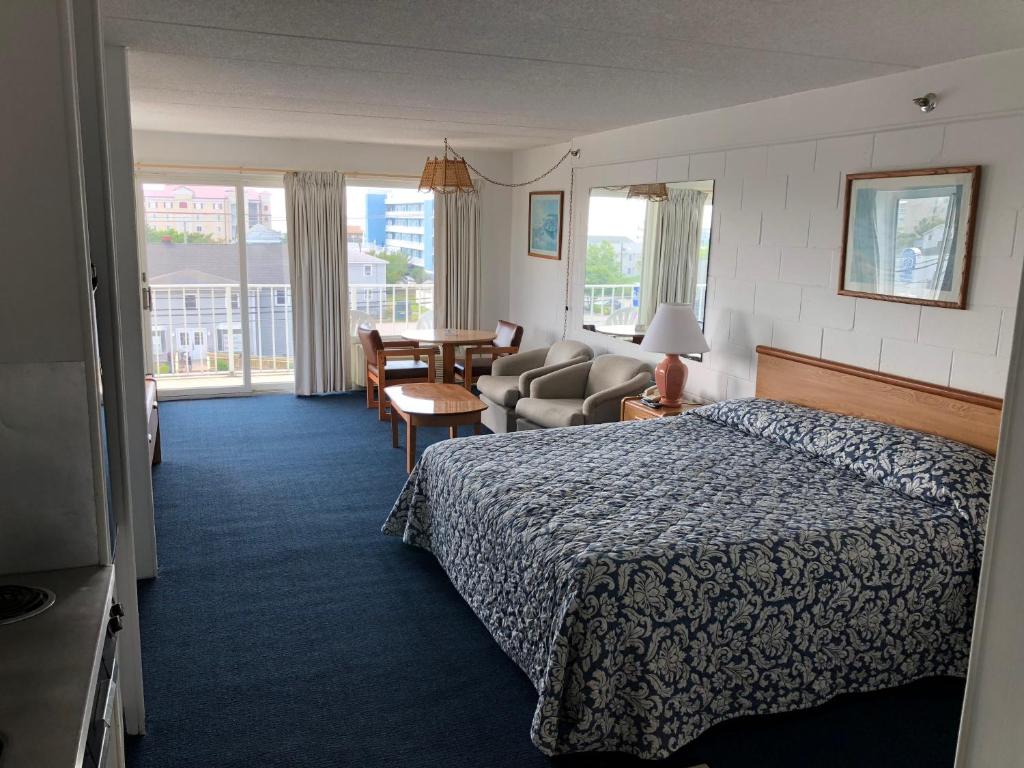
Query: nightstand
[{"x": 633, "y": 408}]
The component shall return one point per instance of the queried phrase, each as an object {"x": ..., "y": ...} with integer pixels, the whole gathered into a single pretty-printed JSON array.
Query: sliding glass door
[{"x": 205, "y": 246}]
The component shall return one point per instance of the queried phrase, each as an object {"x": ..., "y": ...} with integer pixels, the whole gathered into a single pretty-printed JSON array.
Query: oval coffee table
[{"x": 431, "y": 405}]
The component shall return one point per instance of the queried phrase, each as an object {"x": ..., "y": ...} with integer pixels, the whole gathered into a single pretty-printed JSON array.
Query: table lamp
[{"x": 674, "y": 331}]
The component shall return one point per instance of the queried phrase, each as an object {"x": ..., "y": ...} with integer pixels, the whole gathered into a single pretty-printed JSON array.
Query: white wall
[
  {"x": 778, "y": 167},
  {"x": 51, "y": 485},
  {"x": 300, "y": 154}
]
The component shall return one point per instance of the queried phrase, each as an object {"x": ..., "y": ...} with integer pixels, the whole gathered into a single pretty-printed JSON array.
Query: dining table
[{"x": 448, "y": 339}]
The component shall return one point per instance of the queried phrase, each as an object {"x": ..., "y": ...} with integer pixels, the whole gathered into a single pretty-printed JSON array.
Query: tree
[
  {"x": 399, "y": 269},
  {"x": 907, "y": 239},
  {"x": 171, "y": 235},
  {"x": 604, "y": 265}
]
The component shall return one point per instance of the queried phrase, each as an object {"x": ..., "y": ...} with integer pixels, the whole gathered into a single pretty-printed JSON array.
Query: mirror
[{"x": 646, "y": 244}]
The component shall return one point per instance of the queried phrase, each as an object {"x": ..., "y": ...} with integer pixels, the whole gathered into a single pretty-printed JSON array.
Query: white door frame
[{"x": 228, "y": 179}]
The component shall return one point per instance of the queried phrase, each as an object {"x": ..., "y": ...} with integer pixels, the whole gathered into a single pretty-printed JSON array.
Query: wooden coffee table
[{"x": 431, "y": 405}]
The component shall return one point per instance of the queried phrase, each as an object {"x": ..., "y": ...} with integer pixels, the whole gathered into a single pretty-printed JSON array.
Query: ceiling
[{"x": 510, "y": 74}]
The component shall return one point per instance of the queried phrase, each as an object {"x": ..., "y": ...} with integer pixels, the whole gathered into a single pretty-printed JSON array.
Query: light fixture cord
[
  {"x": 571, "y": 151},
  {"x": 568, "y": 252}
]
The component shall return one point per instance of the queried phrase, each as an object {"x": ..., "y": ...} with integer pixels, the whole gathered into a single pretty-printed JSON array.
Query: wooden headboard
[{"x": 829, "y": 386}]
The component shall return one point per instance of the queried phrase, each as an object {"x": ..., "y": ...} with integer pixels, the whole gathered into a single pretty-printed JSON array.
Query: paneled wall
[{"x": 778, "y": 167}]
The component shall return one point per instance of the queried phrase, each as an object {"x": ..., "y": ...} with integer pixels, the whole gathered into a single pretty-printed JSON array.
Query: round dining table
[{"x": 448, "y": 339}]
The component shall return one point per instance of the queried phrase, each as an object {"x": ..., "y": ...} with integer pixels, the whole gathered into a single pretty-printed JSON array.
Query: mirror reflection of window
[{"x": 646, "y": 244}]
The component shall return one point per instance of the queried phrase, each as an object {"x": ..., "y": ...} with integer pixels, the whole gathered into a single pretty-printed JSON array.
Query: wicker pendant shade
[
  {"x": 656, "y": 193},
  {"x": 446, "y": 174}
]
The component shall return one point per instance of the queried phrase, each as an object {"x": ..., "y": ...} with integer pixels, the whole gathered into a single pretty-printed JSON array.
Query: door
[{"x": 215, "y": 258}]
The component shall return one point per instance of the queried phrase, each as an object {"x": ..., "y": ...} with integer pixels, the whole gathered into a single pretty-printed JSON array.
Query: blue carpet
[{"x": 285, "y": 630}]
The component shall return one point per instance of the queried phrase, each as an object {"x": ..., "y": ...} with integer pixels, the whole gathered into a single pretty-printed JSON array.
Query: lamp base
[{"x": 670, "y": 376}]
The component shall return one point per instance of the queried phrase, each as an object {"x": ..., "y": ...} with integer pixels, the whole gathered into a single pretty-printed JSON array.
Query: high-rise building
[
  {"x": 402, "y": 221},
  {"x": 375, "y": 215}
]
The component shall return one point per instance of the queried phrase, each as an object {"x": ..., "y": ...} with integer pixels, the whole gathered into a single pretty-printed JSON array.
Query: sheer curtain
[
  {"x": 671, "y": 249},
  {"x": 318, "y": 264},
  {"x": 457, "y": 260}
]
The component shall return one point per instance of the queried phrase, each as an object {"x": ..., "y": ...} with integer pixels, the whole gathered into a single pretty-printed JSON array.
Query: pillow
[{"x": 921, "y": 466}]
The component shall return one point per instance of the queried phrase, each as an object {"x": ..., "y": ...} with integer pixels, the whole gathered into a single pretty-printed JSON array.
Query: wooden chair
[
  {"x": 506, "y": 342},
  {"x": 385, "y": 366}
]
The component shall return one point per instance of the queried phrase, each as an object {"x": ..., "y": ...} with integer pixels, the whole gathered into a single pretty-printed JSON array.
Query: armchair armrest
[
  {"x": 493, "y": 352},
  {"x": 406, "y": 343},
  {"x": 393, "y": 352},
  {"x": 519, "y": 363},
  {"x": 526, "y": 378},
  {"x": 566, "y": 383},
  {"x": 413, "y": 352},
  {"x": 603, "y": 406}
]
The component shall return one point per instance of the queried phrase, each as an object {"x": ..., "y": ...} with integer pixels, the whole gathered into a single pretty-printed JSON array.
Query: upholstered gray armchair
[
  {"x": 585, "y": 393},
  {"x": 511, "y": 376}
]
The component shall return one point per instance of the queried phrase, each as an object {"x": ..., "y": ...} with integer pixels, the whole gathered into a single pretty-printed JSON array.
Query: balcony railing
[
  {"x": 617, "y": 303},
  {"x": 197, "y": 329}
]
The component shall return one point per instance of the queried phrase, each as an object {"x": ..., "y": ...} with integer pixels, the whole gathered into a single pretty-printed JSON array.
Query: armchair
[
  {"x": 508, "y": 337},
  {"x": 385, "y": 365},
  {"x": 512, "y": 375},
  {"x": 584, "y": 393}
]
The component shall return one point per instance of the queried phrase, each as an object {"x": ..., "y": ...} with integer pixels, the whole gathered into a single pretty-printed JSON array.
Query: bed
[{"x": 786, "y": 555}]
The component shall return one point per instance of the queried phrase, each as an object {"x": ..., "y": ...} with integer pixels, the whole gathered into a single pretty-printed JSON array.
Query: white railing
[
  {"x": 600, "y": 301},
  {"x": 197, "y": 329},
  {"x": 391, "y": 307}
]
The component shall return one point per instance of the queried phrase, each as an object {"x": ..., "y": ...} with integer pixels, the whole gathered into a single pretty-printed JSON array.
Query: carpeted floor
[{"x": 285, "y": 630}]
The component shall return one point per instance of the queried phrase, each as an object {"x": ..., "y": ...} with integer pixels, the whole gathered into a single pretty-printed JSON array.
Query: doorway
[{"x": 206, "y": 244}]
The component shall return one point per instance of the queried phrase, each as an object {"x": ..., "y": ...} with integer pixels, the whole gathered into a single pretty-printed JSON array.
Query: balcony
[{"x": 197, "y": 330}]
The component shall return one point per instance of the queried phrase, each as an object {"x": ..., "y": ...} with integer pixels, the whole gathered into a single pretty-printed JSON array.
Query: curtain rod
[{"x": 243, "y": 170}]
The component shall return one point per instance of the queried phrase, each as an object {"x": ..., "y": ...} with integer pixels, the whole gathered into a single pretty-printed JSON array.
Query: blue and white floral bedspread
[{"x": 653, "y": 578}]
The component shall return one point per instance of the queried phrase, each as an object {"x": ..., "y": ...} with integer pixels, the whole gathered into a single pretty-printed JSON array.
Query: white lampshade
[{"x": 674, "y": 331}]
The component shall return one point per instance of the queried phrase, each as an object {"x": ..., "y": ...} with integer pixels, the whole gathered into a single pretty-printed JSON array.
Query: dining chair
[
  {"x": 385, "y": 365},
  {"x": 508, "y": 336}
]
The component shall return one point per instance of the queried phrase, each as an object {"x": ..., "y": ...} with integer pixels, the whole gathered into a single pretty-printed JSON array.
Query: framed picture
[
  {"x": 545, "y": 233},
  {"x": 908, "y": 235}
]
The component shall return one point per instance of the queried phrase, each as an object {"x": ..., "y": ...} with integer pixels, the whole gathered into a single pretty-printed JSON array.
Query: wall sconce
[{"x": 927, "y": 102}]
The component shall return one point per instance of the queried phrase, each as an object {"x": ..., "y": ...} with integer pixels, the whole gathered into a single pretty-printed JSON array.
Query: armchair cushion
[
  {"x": 604, "y": 406},
  {"x": 565, "y": 351},
  {"x": 555, "y": 412},
  {"x": 500, "y": 390},
  {"x": 569, "y": 382},
  {"x": 514, "y": 365},
  {"x": 527, "y": 378},
  {"x": 612, "y": 370}
]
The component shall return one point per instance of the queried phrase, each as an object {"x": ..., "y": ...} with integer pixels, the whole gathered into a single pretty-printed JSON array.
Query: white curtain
[
  {"x": 318, "y": 264},
  {"x": 457, "y": 260},
  {"x": 668, "y": 272}
]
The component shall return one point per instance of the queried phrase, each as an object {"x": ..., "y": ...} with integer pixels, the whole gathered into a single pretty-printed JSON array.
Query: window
[
  {"x": 234, "y": 300},
  {"x": 367, "y": 270},
  {"x": 280, "y": 297},
  {"x": 191, "y": 301},
  {"x": 182, "y": 338},
  {"x": 198, "y": 338},
  {"x": 183, "y": 204},
  {"x": 199, "y": 227}
]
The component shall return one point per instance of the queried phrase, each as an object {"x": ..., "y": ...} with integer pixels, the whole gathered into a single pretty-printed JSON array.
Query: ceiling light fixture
[
  {"x": 450, "y": 173},
  {"x": 446, "y": 174},
  {"x": 656, "y": 193},
  {"x": 927, "y": 102}
]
